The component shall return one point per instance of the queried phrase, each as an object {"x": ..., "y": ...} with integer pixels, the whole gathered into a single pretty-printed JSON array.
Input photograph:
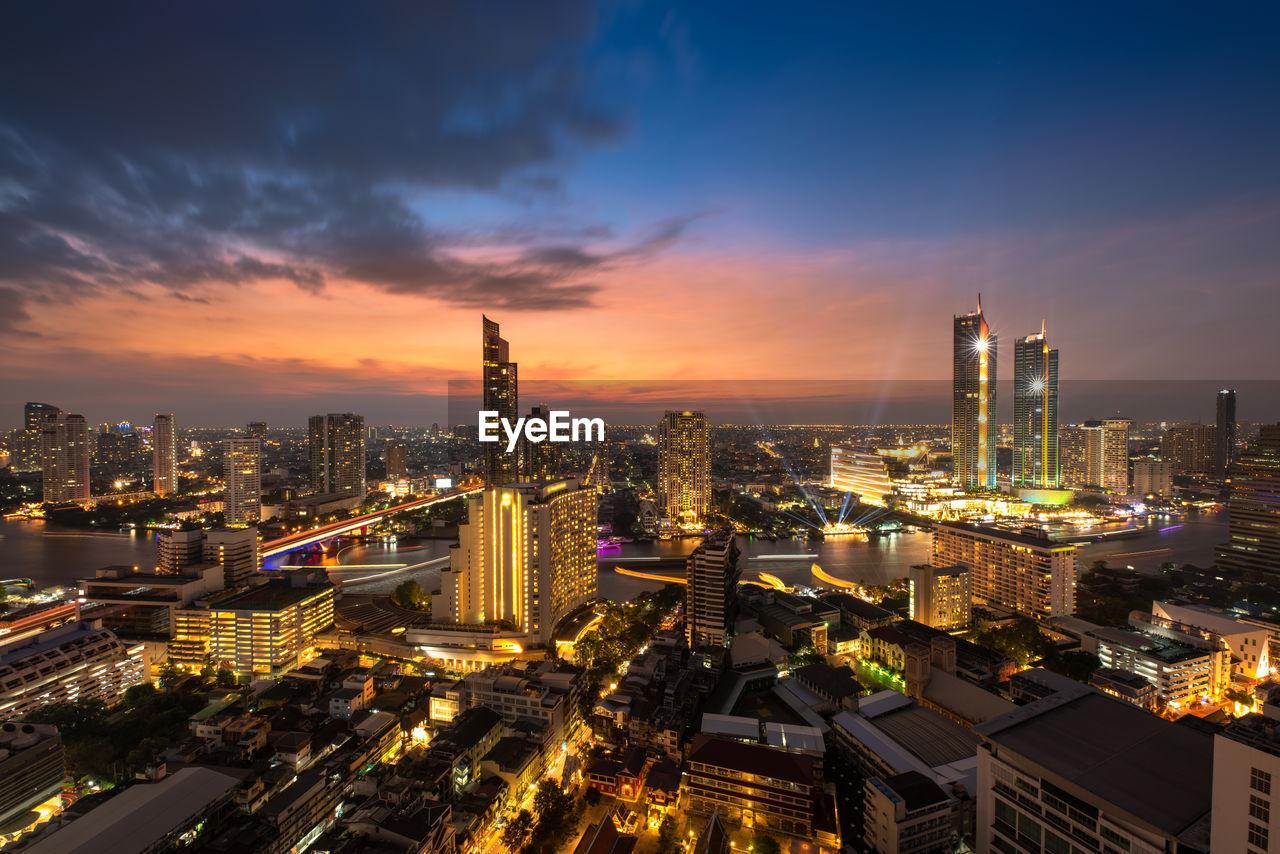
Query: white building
[
  {"x": 64, "y": 664},
  {"x": 1246, "y": 765},
  {"x": 1246, "y": 642},
  {"x": 242, "y": 476},
  {"x": 1152, "y": 477},
  {"x": 906, "y": 814}
]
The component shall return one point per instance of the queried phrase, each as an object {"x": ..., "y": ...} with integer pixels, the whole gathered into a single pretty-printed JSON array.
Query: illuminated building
[
  {"x": 501, "y": 395},
  {"x": 1183, "y": 668},
  {"x": 1152, "y": 477},
  {"x": 1253, "y": 511},
  {"x": 1246, "y": 774},
  {"x": 684, "y": 466},
  {"x": 525, "y": 558},
  {"x": 267, "y": 629},
  {"x": 32, "y": 767},
  {"x": 1189, "y": 448},
  {"x": 256, "y": 429},
  {"x": 1073, "y": 453},
  {"x": 860, "y": 472},
  {"x": 235, "y": 550},
  {"x": 64, "y": 664},
  {"x": 713, "y": 574},
  {"x": 337, "y": 454},
  {"x": 1035, "y": 413},
  {"x": 35, "y": 414},
  {"x": 941, "y": 597},
  {"x": 164, "y": 456},
  {"x": 973, "y": 401},
  {"x": 179, "y": 549},
  {"x": 64, "y": 456},
  {"x": 1095, "y": 456},
  {"x": 242, "y": 475},
  {"x": 1226, "y": 435},
  {"x": 1023, "y": 572},
  {"x": 1247, "y": 643},
  {"x": 396, "y": 455},
  {"x": 540, "y": 460}
]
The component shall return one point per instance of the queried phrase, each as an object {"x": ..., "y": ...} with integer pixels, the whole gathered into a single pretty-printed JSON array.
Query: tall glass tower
[
  {"x": 1035, "y": 413},
  {"x": 500, "y": 395},
  {"x": 1225, "y": 451},
  {"x": 973, "y": 402}
]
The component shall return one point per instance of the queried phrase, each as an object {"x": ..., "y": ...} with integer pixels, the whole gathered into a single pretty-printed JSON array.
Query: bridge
[{"x": 316, "y": 535}]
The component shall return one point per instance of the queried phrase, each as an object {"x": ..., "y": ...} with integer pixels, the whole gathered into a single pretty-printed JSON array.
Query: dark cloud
[{"x": 184, "y": 145}]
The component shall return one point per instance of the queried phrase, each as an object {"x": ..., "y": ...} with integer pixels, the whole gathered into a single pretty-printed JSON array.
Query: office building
[
  {"x": 337, "y": 454},
  {"x": 684, "y": 466},
  {"x": 64, "y": 664},
  {"x": 35, "y": 414},
  {"x": 396, "y": 455},
  {"x": 974, "y": 426},
  {"x": 242, "y": 477},
  {"x": 1035, "y": 413},
  {"x": 164, "y": 455},
  {"x": 1080, "y": 771},
  {"x": 941, "y": 597},
  {"x": 525, "y": 558},
  {"x": 1247, "y": 643},
  {"x": 1183, "y": 668},
  {"x": 1152, "y": 478},
  {"x": 1190, "y": 448},
  {"x": 713, "y": 573},
  {"x": 179, "y": 548},
  {"x": 235, "y": 550},
  {"x": 1226, "y": 435},
  {"x": 501, "y": 395},
  {"x": 1253, "y": 512},
  {"x": 32, "y": 767},
  {"x": 1246, "y": 767},
  {"x": 64, "y": 457},
  {"x": 907, "y": 813},
  {"x": 860, "y": 472},
  {"x": 540, "y": 461},
  {"x": 256, "y": 430},
  {"x": 1024, "y": 572}
]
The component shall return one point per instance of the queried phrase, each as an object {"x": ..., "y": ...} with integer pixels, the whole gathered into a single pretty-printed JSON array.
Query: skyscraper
[
  {"x": 1189, "y": 448},
  {"x": 500, "y": 395},
  {"x": 64, "y": 456},
  {"x": 337, "y": 453},
  {"x": 713, "y": 575},
  {"x": 256, "y": 429},
  {"x": 1035, "y": 413},
  {"x": 1095, "y": 455},
  {"x": 540, "y": 460},
  {"x": 396, "y": 455},
  {"x": 973, "y": 401},
  {"x": 1253, "y": 512},
  {"x": 1225, "y": 440},
  {"x": 242, "y": 475},
  {"x": 164, "y": 457},
  {"x": 684, "y": 466},
  {"x": 236, "y": 550},
  {"x": 525, "y": 558},
  {"x": 34, "y": 415}
]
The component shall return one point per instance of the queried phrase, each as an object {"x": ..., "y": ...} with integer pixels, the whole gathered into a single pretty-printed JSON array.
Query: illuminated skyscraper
[
  {"x": 1035, "y": 413},
  {"x": 35, "y": 414},
  {"x": 684, "y": 466},
  {"x": 941, "y": 596},
  {"x": 1253, "y": 512},
  {"x": 396, "y": 455},
  {"x": 64, "y": 456},
  {"x": 973, "y": 401},
  {"x": 501, "y": 396},
  {"x": 540, "y": 461},
  {"x": 710, "y": 593},
  {"x": 256, "y": 429},
  {"x": 525, "y": 558},
  {"x": 337, "y": 453},
  {"x": 861, "y": 472},
  {"x": 242, "y": 474},
  {"x": 164, "y": 456},
  {"x": 1190, "y": 448},
  {"x": 1225, "y": 440}
]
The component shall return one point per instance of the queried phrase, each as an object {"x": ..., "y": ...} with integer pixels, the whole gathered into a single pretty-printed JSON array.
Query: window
[
  {"x": 1259, "y": 808},
  {"x": 1258, "y": 836},
  {"x": 1055, "y": 844},
  {"x": 1260, "y": 781}
]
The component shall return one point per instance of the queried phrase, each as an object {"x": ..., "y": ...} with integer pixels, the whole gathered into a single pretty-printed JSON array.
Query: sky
[{"x": 246, "y": 211}]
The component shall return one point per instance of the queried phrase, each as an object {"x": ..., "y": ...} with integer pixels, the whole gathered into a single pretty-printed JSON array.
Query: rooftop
[
  {"x": 1167, "y": 651},
  {"x": 752, "y": 759},
  {"x": 1018, "y": 538},
  {"x": 273, "y": 596},
  {"x": 837, "y": 682},
  {"x": 915, "y": 790}
]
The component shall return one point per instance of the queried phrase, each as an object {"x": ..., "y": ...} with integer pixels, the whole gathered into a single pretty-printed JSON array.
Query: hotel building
[
  {"x": 242, "y": 475},
  {"x": 1095, "y": 455},
  {"x": 860, "y": 472},
  {"x": 235, "y": 550},
  {"x": 1035, "y": 413},
  {"x": 974, "y": 425},
  {"x": 337, "y": 454},
  {"x": 941, "y": 597},
  {"x": 1030, "y": 574},
  {"x": 164, "y": 455},
  {"x": 1190, "y": 448},
  {"x": 501, "y": 395},
  {"x": 684, "y": 466},
  {"x": 64, "y": 457},
  {"x": 525, "y": 558}
]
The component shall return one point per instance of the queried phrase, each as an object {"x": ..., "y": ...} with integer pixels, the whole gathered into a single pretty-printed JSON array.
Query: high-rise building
[
  {"x": 941, "y": 597},
  {"x": 525, "y": 558},
  {"x": 256, "y": 429},
  {"x": 179, "y": 548},
  {"x": 1253, "y": 511},
  {"x": 1035, "y": 413},
  {"x": 500, "y": 396},
  {"x": 268, "y": 629},
  {"x": 164, "y": 455},
  {"x": 684, "y": 466},
  {"x": 1226, "y": 436},
  {"x": 860, "y": 472},
  {"x": 1152, "y": 477},
  {"x": 337, "y": 454},
  {"x": 540, "y": 460},
  {"x": 1095, "y": 455},
  {"x": 1024, "y": 572},
  {"x": 35, "y": 414},
  {"x": 236, "y": 550},
  {"x": 712, "y": 574},
  {"x": 64, "y": 456},
  {"x": 1073, "y": 456},
  {"x": 1189, "y": 448},
  {"x": 974, "y": 426},
  {"x": 396, "y": 455},
  {"x": 242, "y": 475}
]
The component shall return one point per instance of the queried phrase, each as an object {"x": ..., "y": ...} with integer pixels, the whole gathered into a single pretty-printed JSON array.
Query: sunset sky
[{"x": 259, "y": 211}]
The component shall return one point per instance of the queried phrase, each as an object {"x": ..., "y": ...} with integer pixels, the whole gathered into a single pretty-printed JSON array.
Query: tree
[
  {"x": 762, "y": 844},
  {"x": 226, "y": 677},
  {"x": 667, "y": 837},
  {"x": 136, "y": 694},
  {"x": 409, "y": 594},
  {"x": 517, "y": 830},
  {"x": 168, "y": 671}
]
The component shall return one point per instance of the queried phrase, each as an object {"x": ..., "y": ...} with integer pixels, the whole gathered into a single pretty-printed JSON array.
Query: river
[{"x": 55, "y": 556}]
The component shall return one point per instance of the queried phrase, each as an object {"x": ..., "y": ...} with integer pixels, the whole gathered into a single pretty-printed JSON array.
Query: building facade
[
  {"x": 974, "y": 427},
  {"x": 500, "y": 395},
  {"x": 1152, "y": 478},
  {"x": 1227, "y": 433},
  {"x": 268, "y": 629},
  {"x": 1190, "y": 448},
  {"x": 1253, "y": 511},
  {"x": 164, "y": 455},
  {"x": 64, "y": 458},
  {"x": 1246, "y": 767},
  {"x": 684, "y": 466},
  {"x": 1035, "y": 413},
  {"x": 64, "y": 664},
  {"x": 32, "y": 767},
  {"x": 1030, "y": 574},
  {"x": 396, "y": 455},
  {"x": 235, "y": 550},
  {"x": 710, "y": 594},
  {"x": 941, "y": 597},
  {"x": 337, "y": 453},
  {"x": 242, "y": 476}
]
